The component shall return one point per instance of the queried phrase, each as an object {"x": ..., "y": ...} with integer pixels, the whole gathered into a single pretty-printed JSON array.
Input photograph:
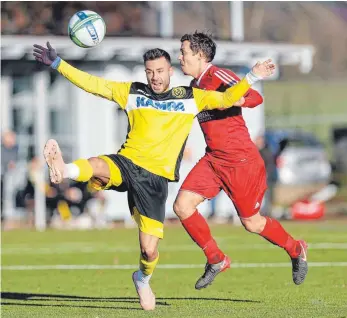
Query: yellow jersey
[{"x": 159, "y": 124}]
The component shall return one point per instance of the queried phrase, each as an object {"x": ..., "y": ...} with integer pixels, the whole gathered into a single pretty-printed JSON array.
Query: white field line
[
  {"x": 163, "y": 266},
  {"x": 66, "y": 248}
]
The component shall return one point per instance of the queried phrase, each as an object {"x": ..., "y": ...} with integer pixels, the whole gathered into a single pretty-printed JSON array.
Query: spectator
[{"x": 9, "y": 156}]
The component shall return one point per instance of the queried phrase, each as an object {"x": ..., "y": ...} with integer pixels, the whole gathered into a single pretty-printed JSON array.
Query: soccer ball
[{"x": 86, "y": 28}]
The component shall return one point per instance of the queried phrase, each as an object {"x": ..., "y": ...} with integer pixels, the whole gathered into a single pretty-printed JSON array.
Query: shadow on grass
[
  {"x": 64, "y": 305},
  {"x": 57, "y": 297},
  {"x": 69, "y": 298},
  {"x": 133, "y": 300}
]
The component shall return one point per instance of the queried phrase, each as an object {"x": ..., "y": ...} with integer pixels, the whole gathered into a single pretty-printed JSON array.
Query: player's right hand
[
  {"x": 264, "y": 69},
  {"x": 45, "y": 55}
]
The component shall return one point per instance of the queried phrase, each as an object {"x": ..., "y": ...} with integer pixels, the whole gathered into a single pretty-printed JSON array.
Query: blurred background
[{"x": 300, "y": 130}]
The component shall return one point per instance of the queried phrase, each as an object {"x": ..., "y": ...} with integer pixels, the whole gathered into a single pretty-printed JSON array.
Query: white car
[{"x": 300, "y": 158}]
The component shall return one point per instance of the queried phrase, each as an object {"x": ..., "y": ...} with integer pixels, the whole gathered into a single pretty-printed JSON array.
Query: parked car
[
  {"x": 340, "y": 149},
  {"x": 300, "y": 158}
]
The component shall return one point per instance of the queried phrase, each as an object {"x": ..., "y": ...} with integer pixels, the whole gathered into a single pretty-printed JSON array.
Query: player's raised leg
[
  {"x": 100, "y": 169},
  {"x": 148, "y": 260}
]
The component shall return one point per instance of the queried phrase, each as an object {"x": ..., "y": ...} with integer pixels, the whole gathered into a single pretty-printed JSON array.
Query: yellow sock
[
  {"x": 95, "y": 185},
  {"x": 146, "y": 267},
  {"x": 86, "y": 170}
]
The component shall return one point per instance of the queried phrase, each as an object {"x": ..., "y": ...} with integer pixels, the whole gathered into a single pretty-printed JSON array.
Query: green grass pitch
[{"x": 249, "y": 289}]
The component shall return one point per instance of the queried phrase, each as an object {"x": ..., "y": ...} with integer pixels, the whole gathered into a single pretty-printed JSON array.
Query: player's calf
[{"x": 148, "y": 260}]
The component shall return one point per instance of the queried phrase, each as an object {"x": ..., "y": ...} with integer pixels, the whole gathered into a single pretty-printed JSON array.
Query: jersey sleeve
[
  {"x": 207, "y": 100},
  {"x": 252, "y": 99},
  {"x": 225, "y": 77},
  {"x": 113, "y": 91},
  {"x": 228, "y": 78}
]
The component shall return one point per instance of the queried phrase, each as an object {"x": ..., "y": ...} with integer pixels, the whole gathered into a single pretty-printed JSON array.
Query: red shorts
[{"x": 245, "y": 185}]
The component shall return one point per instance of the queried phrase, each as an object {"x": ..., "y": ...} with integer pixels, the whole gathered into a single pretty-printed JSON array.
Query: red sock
[
  {"x": 198, "y": 229},
  {"x": 276, "y": 234}
]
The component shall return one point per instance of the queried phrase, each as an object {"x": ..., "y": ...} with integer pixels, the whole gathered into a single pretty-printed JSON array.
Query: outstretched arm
[
  {"x": 227, "y": 78},
  {"x": 206, "y": 100},
  {"x": 116, "y": 91}
]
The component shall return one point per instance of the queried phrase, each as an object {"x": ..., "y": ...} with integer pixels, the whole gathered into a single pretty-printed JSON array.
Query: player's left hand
[
  {"x": 240, "y": 102},
  {"x": 264, "y": 69},
  {"x": 45, "y": 55}
]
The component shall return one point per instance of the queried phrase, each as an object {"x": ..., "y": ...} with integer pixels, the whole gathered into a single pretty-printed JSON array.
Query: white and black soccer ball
[{"x": 86, "y": 28}]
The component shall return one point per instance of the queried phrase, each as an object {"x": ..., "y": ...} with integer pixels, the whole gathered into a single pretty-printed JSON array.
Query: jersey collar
[{"x": 202, "y": 74}]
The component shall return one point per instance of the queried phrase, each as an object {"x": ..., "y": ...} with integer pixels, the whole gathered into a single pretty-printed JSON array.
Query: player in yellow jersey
[{"x": 160, "y": 119}]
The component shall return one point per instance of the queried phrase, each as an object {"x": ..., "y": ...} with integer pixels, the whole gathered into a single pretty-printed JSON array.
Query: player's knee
[
  {"x": 182, "y": 209},
  {"x": 99, "y": 166},
  {"x": 253, "y": 225},
  {"x": 186, "y": 203},
  {"x": 149, "y": 253}
]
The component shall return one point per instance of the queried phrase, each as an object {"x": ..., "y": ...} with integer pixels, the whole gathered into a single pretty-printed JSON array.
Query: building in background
[{"x": 36, "y": 100}]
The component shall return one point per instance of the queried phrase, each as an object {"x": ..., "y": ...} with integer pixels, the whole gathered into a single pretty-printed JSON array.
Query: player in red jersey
[{"x": 231, "y": 163}]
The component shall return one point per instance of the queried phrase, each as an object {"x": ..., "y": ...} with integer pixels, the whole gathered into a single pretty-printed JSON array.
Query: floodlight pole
[
  {"x": 41, "y": 80},
  {"x": 166, "y": 19},
  {"x": 237, "y": 21}
]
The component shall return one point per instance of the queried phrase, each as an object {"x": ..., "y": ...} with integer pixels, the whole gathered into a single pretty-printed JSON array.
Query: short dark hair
[
  {"x": 156, "y": 54},
  {"x": 201, "y": 42}
]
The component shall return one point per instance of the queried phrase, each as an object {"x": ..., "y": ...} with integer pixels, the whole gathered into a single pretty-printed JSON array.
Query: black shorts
[{"x": 147, "y": 194}]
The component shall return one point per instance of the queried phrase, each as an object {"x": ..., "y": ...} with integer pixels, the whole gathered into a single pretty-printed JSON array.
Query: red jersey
[{"x": 226, "y": 135}]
